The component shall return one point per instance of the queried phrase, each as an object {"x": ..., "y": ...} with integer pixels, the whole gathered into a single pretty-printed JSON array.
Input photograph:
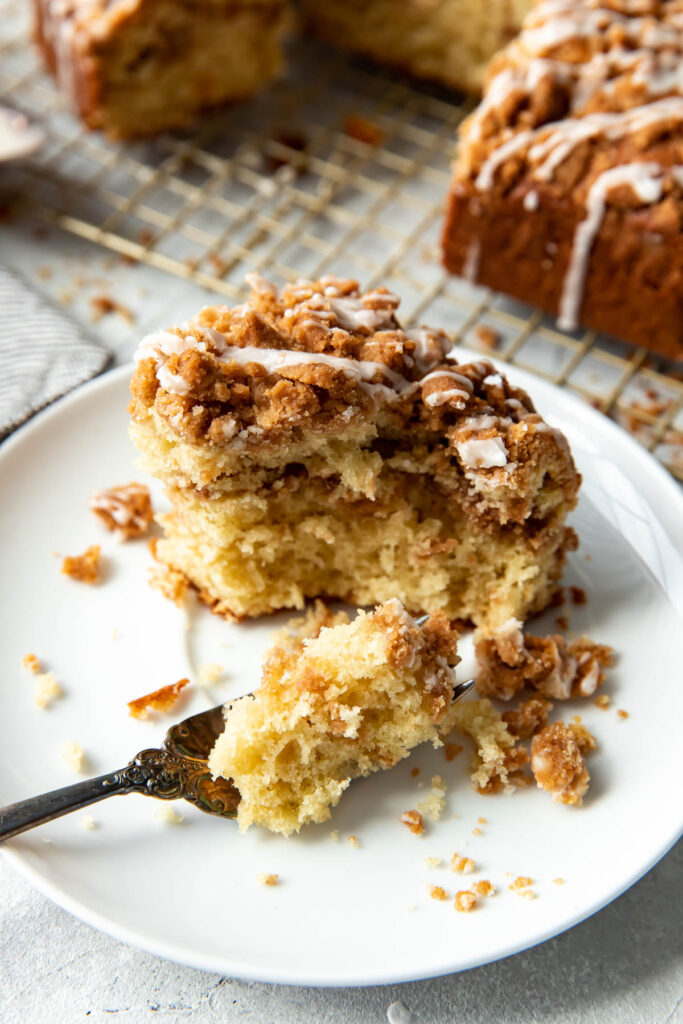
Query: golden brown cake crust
[{"x": 568, "y": 190}]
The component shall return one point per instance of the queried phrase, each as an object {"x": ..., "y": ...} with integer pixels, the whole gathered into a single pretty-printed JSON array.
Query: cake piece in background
[
  {"x": 137, "y": 67},
  {"x": 352, "y": 700},
  {"x": 310, "y": 446},
  {"x": 568, "y": 188},
  {"x": 447, "y": 41}
]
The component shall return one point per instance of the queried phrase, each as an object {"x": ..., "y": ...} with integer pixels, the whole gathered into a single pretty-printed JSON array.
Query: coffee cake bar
[
  {"x": 312, "y": 446},
  {"x": 568, "y": 188},
  {"x": 137, "y": 67}
]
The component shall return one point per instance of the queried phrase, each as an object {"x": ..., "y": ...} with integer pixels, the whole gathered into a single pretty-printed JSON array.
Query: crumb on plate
[
  {"x": 84, "y": 568},
  {"x": 268, "y": 879},
  {"x": 72, "y": 753},
  {"x": 47, "y": 689},
  {"x": 31, "y": 663},
  {"x": 414, "y": 821},
  {"x": 437, "y": 892},
  {"x": 465, "y": 901},
  {"x": 125, "y": 509},
  {"x": 168, "y": 814},
  {"x": 462, "y": 865},
  {"x": 162, "y": 699}
]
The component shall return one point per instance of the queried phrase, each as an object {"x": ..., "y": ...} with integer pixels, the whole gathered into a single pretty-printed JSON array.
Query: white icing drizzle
[
  {"x": 482, "y": 453},
  {"x": 457, "y": 395},
  {"x": 646, "y": 181}
]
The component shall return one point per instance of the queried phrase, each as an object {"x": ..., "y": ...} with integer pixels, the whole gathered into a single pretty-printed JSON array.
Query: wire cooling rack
[{"x": 339, "y": 168}]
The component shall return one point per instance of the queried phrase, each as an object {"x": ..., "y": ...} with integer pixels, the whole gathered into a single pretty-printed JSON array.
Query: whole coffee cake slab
[{"x": 568, "y": 188}]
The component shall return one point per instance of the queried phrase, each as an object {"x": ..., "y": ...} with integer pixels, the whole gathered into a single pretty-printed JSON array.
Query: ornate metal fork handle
[{"x": 157, "y": 773}]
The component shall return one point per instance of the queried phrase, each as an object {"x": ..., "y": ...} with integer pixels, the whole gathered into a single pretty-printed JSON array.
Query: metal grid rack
[{"x": 340, "y": 168}]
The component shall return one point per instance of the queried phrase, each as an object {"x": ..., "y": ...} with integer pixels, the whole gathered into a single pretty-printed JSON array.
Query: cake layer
[
  {"x": 568, "y": 189},
  {"x": 448, "y": 41},
  {"x": 137, "y": 67},
  {"x": 352, "y": 700},
  {"x": 312, "y": 446}
]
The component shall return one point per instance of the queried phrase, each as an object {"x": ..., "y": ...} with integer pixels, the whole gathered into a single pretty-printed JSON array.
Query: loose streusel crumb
[
  {"x": 414, "y": 821},
  {"x": 484, "y": 888},
  {"x": 162, "y": 699},
  {"x": 462, "y": 865},
  {"x": 528, "y": 718},
  {"x": 483, "y": 821},
  {"x": 509, "y": 659},
  {"x": 558, "y": 881},
  {"x": 562, "y": 622},
  {"x": 89, "y": 823},
  {"x": 437, "y": 892},
  {"x": 602, "y": 701},
  {"x": 103, "y": 305},
  {"x": 527, "y": 894},
  {"x": 86, "y": 567},
  {"x": 354, "y": 842},
  {"x": 334, "y": 835},
  {"x": 557, "y": 761},
  {"x": 465, "y": 901},
  {"x": 172, "y": 584},
  {"x": 126, "y": 510},
  {"x": 451, "y": 750},
  {"x": 477, "y": 832},
  {"x": 268, "y": 879},
  {"x": 31, "y": 663},
  {"x": 487, "y": 337},
  {"x": 415, "y": 772},
  {"x": 433, "y": 862},
  {"x": 578, "y": 595},
  {"x": 521, "y": 882},
  {"x": 168, "y": 814},
  {"x": 362, "y": 130},
  {"x": 73, "y": 754},
  {"x": 621, "y": 713}
]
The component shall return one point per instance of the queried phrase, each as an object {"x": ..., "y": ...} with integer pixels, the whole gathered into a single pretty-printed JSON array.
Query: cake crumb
[
  {"x": 621, "y": 713},
  {"x": 433, "y": 862},
  {"x": 209, "y": 673},
  {"x": 451, "y": 750},
  {"x": 465, "y": 901},
  {"x": 84, "y": 568},
  {"x": 527, "y": 894},
  {"x": 354, "y": 842},
  {"x": 268, "y": 879},
  {"x": 89, "y": 823},
  {"x": 125, "y": 509},
  {"x": 484, "y": 888},
  {"x": 437, "y": 892},
  {"x": 432, "y": 806},
  {"x": 602, "y": 701},
  {"x": 415, "y": 772},
  {"x": 168, "y": 814},
  {"x": 171, "y": 583},
  {"x": 521, "y": 882},
  {"x": 103, "y": 305},
  {"x": 462, "y": 865},
  {"x": 115, "y": 633},
  {"x": 487, "y": 336},
  {"x": 558, "y": 881},
  {"x": 31, "y": 663},
  {"x": 363, "y": 130},
  {"x": 72, "y": 754},
  {"x": 477, "y": 832},
  {"x": 562, "y": 622},
  {"x": 483, "y": 821},
  {"x": 47, "y": 689},
  {"x": 557, "y": 761},
  {"x": 334, "y": 835},
  {"x": 578, "y": 595},
  {"x": 414, "y": 821},
  {"x": 162, "y": 699}
]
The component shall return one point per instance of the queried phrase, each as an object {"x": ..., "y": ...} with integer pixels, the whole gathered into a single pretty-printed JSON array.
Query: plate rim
[{"x": 271, "y": 975}]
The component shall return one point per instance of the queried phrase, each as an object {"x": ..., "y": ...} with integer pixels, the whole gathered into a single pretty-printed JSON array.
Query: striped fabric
[{"x": 43, "y": 353}]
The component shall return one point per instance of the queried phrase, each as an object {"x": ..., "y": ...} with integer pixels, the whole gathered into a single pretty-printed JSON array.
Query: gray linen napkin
[{"x": 43, "y": 353}]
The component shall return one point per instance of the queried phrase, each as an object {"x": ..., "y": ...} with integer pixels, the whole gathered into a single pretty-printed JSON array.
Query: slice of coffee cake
[
  {"x": 352, "y": 700},
  {"x": 311, "y": 446}
]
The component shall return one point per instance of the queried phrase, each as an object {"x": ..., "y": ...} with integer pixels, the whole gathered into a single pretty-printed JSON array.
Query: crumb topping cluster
[
  {"x": 325, "y": 356},
  {"x": 509, "y": 660}
]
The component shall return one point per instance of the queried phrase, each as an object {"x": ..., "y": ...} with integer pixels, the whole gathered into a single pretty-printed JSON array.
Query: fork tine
[{"x": 461, "y": 689}]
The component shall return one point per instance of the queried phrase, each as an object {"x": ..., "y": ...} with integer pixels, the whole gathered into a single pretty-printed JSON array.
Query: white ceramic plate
[{"x": 341, "y": 916}]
